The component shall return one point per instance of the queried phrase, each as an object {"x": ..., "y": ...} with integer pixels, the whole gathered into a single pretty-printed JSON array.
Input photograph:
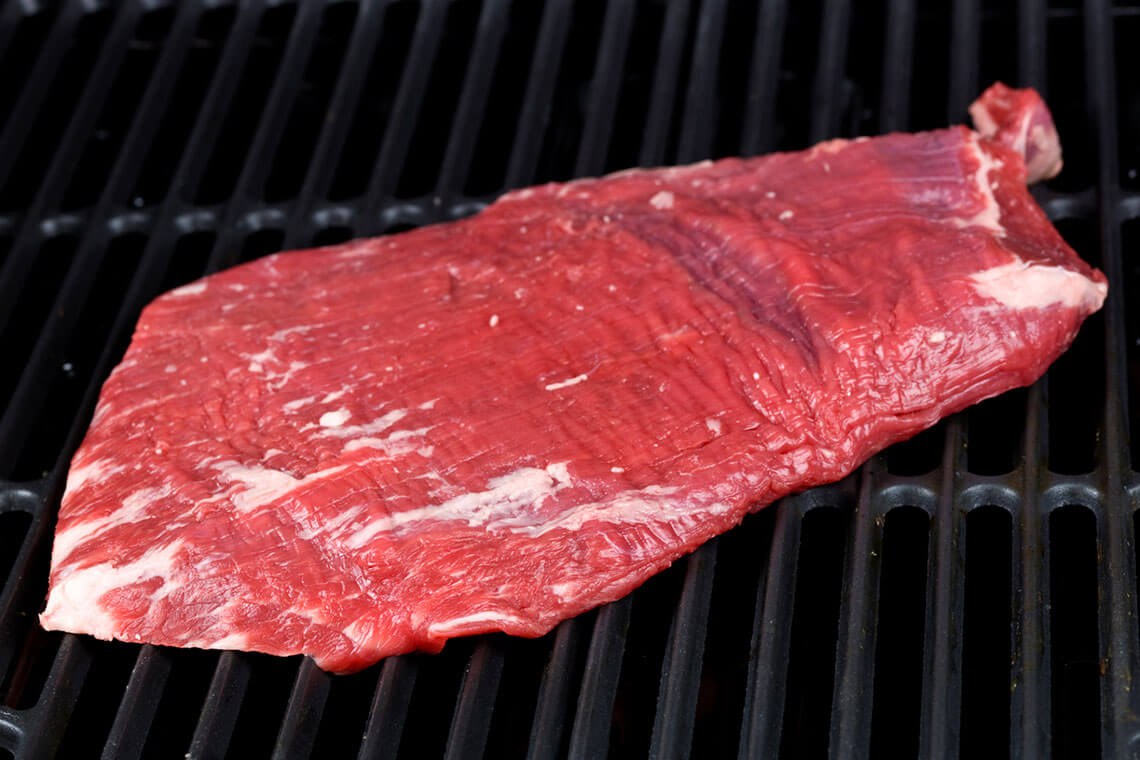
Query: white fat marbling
[
  {"x": 566, "y": 383},
  {"x": 446, "y": 627},
  {"x": 332, "y": 525},
  {"x": 1020, "y": 285},
  {"x": 378, "y": 425},
  {"x": 262, "y": 357},
  {"x": 100, "y": 469},
  {"x": 653, "y": 504},
  {"x": 989, "y": 217},
  {"x": 565, "y": 591},
  {"x": 264, "y": 485},
  {"x": 662, "y": 201},
  {"x": 396, "y": 444},
  {"x": 192, "y": 289},
  {"x": 133, "y": 508},
  {"x": 231, "y": 641},
  {"x": 73, "y": 604},
  {"x": 512, "y": 503},
  {"x": 335, "y": 418},
  {"x": 504, "y": 496},
  {"x": 293, "y": 406},
  {"x": 827, "y": 147},
  {"x": 280, "y": 335}
]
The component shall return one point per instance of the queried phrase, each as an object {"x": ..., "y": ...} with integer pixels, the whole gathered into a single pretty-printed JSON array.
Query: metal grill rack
[{"x": 978, "y": 581}]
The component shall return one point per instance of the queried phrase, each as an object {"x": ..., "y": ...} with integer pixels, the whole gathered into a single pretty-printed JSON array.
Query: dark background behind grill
[{"x": 978, "y": 581}]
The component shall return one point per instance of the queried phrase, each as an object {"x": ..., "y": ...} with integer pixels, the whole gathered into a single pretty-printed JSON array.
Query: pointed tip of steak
[{"x": 1019, "y": 119}]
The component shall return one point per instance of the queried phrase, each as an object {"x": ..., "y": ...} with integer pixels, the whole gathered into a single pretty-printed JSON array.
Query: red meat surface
[{"x": 499, "y": 423}]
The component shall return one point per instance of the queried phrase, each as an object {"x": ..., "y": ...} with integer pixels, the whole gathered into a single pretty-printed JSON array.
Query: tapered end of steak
[
  {"x": 1019, "y": 119},
  {"x": 499, "y": 423}
]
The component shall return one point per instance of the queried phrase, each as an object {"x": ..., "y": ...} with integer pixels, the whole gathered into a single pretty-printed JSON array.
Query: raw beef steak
[{"x": 499, "y": 423}]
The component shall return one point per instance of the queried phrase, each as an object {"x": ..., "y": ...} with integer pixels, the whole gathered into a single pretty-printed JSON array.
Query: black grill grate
[{"x": 978, "y": 581}]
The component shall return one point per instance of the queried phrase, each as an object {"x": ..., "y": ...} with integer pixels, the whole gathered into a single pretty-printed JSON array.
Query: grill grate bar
[
  {"x": 535, "y": 113},
  {"x": 211, "y": 116},
  {"x": 20, "y": 259},
  {"x": 684, "y": 653},
  {"x": 270, "y": 128},
  {"x": 602, "y": 106},
  {"x": 681, "y": 671},
  {"x": 13, "y": 592},
  {"x": 655, "y": 139},
  {"x": 11, "y": 597},
  {"x": 590, "y": 735},
  {"x": 139, "y": 703},
  {"x": 471, "y": 721},
  {"x": 965, "y": 32},
  {"x": 854, "y": 654},
  {"x": 945, "y": 591},
  {"x": 945, "y": 595},
  {"x": 129, "y": 732},
  {"x": 47, "y": 723},
  {"x": 551, "y": 712},
  {"x": 409, "y": 100},
  {"x": 829, "y": 70},
  {"x": 473, "y": 102},
  {"x": 28, "y": 398},
  {"x": 1032, "y": 36},
  {"x": 219, "y": 712},
  {"x": 852, "y": 698},
  {"x": 22, "y": 118},
  {"x": 547, "y": 729},
  {"x": 1030, "y": 669},
  {"x": 764, "y": 78},
  {"x": 1119, "y": 632},
  {"x": 762, "y": 731},
  {"x": 898, "y": 58},
  {"x": 700, "y": 104},
  {"x": 771, "y": 638},
  {"x": 335, "y": 128},
  {"x": 303, "y": 715},
  {"x": 11, "y": 726},
  {"x": 1101, "y": 84},
  {"x": 10, "y": 17},
  {"x": 389, "y": 708}
]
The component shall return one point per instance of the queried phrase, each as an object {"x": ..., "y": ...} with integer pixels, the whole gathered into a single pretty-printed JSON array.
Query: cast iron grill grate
[{"x": 978, "y": 581}]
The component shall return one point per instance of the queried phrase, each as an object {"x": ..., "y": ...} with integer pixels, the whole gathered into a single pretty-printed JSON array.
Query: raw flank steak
[{"x": 499, "y": 423}]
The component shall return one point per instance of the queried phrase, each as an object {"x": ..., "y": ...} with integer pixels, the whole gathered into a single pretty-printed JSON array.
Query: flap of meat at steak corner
[{"x": 501, "y": 422}]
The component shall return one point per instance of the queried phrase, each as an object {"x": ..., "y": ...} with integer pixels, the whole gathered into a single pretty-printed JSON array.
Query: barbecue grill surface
[{"x": 977, "y": 582}]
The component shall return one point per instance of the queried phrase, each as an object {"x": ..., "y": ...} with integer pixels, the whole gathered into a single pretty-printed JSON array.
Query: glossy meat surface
[{"x": 499, "y": 423}]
